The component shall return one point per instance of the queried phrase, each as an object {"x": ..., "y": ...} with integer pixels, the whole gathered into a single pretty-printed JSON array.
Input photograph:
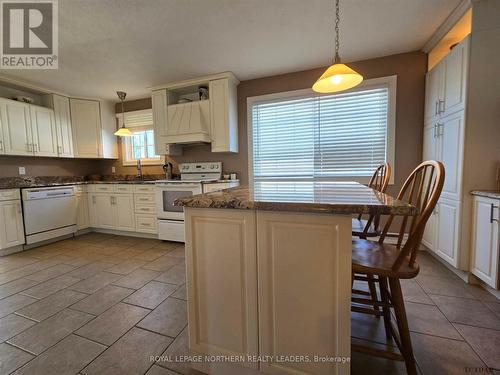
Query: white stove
[{"x": 196, "y": 178}]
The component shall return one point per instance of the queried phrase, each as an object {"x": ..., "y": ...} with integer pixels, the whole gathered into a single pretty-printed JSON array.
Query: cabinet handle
[
  {"x": 492, "y": 209},
  {"x": 146, "y": 224},
  {"x": 435, "y": 130},
  {"x": 1, "y": 145},
  {"x": 111, "y": 200},
  {"x": 440, "y": 129},
  {"x": 436, "y": 104},
  {"x": 441, "y": 101},
  {"x": 59, "y": 149}
]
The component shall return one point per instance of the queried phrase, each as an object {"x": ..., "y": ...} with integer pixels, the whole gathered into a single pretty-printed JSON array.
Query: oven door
[{"x": 167, "y": 194}]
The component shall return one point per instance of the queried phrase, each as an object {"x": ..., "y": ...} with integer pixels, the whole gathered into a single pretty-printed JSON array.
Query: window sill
[{"x": 143, "y": 162}]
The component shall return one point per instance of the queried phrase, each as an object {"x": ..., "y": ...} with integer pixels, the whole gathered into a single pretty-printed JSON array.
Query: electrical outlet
[
  {"x": 113, "y": 170},
  {"x": 22, "y": 171}
]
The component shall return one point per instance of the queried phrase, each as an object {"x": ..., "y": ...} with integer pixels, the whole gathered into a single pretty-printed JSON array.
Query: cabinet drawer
[
  {"x": 9, "y": 194},
  {"x": 145, "y": 209},
  {"x": 101, "y": 188},
  {"x": 80, "y": 189},
  {"x": 144, "y": 189},
  {"x": 146, "y": 223},
  {"x": 123, "y": 188},
  {"x": 144, "y": 198}
]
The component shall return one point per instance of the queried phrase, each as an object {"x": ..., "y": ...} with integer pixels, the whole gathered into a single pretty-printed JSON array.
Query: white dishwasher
[{"x": 49, "y": 212}]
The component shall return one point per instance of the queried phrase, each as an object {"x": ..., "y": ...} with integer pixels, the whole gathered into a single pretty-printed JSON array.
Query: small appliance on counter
[{"x": 196, "y": 178}]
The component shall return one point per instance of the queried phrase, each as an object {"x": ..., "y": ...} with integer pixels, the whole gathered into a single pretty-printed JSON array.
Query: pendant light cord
[{"x": 336, "y": 59}]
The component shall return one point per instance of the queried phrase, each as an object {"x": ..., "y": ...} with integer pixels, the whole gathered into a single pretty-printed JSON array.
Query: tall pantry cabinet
[{"x": 444, "y": 132}]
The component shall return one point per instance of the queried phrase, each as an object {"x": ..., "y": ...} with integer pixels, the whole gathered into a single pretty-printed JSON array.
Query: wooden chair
[
  {"x": 387, "y": 264},
  {"x": 370, "y": 228}
]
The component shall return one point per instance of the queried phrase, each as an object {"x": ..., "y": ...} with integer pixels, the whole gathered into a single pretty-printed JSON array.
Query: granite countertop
[
  {"x": 487, "y": 193},
  {"x": 43, "y": 181},
  {"x": 320, "y": 197}
]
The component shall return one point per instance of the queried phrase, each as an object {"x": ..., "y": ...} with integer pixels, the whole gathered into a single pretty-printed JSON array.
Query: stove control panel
[{"x": 205, "y": 167}]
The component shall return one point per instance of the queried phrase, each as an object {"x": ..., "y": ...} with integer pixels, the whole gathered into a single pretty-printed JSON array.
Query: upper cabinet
[
  {"x": 27, "y": 129},
  {"x": 446, "y": 83},
  {"x": 92, "y": 130},
  {"x": 197, "y": 111},
  {"x": 62, "y": 116}
]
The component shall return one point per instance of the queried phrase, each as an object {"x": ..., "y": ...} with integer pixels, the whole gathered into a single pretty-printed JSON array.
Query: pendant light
[
  {"x": 123, "y": 131},
  {"x": 337, "y": 77}
]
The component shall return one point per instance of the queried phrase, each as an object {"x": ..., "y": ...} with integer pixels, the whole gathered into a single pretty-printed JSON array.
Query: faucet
[{"x": 139, "y": 169}]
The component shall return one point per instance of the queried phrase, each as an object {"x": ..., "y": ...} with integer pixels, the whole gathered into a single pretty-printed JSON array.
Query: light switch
[
  {"x": 22, "y": 171},
  {"x": 113, "y": 170}
]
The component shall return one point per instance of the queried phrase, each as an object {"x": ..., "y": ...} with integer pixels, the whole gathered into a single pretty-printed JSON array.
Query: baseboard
[
  {"x": 11, "y": 250},
  {"x": 124, "y": 233}
]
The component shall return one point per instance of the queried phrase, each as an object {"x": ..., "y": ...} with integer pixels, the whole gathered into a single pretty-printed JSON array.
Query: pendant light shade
[
  {"x": 338, "y": 77},
  {"x": 123, "y": 131}
]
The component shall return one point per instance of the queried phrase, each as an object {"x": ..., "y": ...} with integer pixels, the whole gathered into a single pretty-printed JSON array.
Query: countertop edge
[{"x": 486, "y": 193}]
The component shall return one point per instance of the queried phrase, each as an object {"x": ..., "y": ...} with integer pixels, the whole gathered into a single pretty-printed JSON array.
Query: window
[
  {"x": 304, "y": 136},
  {"x": 142, "y": 144}
]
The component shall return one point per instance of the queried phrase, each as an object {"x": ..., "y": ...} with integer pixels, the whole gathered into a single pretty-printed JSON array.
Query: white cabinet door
[
  {"x": 86, "y": 122},
  {"x": 159, "y": 103},
  {"x": 306, "y": 289},
  {"x": 455, "y": 78},
  {"x": 82, "y": 218},
  {"x": 222, "y": 306},
  {"x": 43, "y": 131},
  {"x": 430, "y": 151},
  {"x": 451, "y": 140},
  {"x": 433, "y": 90},
  {"x": 223, "y": 116},
  {"x": 63, "y": 126},
  {"x": 448, "y": 226},
  {"x": 109, "y": 141},
  {"x": 485, "y": 247},
  {"x": 104, "y": 211},
  {"x": 16, "y": 127},
  {"x": 124, "y": 212},
  {"x": 11, "y": 224}
]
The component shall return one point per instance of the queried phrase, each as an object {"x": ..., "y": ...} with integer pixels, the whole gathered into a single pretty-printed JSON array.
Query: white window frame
[
  {"x": 390, "y": 81},
  {"x": 128, "y": 160}
]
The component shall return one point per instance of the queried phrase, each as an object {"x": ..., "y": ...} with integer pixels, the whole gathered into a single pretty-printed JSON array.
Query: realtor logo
[{"x": 29, "y": 34}]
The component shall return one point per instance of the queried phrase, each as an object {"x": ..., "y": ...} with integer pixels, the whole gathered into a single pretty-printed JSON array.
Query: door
[
  {"x": 455, "y": 78},
  {"x": 124, "y": 211},
  {"x": 433, "y": 87},
  {"x": 82, "y": 218},
  {"x": 448, "y": 228},
  {"x": 222, "y": 306},
  {"x": 159, "y": 103},
  {"x": 63, "y": 126},
  {"x": 11, "y": 224},
  {"x": 304, "y": 296},
  {"x": 104, "y": 211},
  {"x": 16, "y": 127},
  {"x": 450, "y": 134},
  {"x": 166, "y": 196},
  {"x": 43, "y": 130},
  {"x": 430, "y": 153},
  {"x": 86, "y": 121},
  {"x": 485, "y": 240}
]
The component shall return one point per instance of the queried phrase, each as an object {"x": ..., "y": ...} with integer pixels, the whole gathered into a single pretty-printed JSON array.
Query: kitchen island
[{"x": 269, "y": 275}]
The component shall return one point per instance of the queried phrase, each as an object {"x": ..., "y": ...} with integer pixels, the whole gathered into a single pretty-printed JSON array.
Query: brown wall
[
  {"x": 37, "y": 166},
  {"x": 410, "y": 69}
]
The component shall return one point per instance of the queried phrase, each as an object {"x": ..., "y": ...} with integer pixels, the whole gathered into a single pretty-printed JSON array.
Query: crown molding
[{"x": 447, "y": 25}]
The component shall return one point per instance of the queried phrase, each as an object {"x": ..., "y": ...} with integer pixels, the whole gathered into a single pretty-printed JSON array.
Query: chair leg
[
  {"x": 373, "y": 291},
  {"x": 404, "y": 331},
  {"x": 384, "y": 294}
]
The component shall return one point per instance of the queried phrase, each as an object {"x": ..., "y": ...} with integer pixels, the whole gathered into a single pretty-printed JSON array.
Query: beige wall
[{"x": 410, "y": 69}]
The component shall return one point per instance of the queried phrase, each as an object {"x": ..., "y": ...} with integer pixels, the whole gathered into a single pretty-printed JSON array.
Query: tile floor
[{"x": 103, "y": 304}]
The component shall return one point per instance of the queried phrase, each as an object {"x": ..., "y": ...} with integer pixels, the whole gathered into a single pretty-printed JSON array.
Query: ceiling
[{"x": 130, "y": 45}]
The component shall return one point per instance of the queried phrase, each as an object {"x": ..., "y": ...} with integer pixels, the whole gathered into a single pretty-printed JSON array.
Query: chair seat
[
  {"x": 358, "y": 228},
  {"x": 372, "y": 258}
]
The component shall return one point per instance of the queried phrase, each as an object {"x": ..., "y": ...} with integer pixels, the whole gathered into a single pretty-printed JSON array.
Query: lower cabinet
[
  {"x": 112, "y": 211},
  {"x": 485, "y": 245},
  {"x": 124, "y": 207},
  {"x": 442, "y": 232},
  {"x": 11, "y": 219},
  {"x": 276, "y": 285},
  {"x": 82, "y": 206}
]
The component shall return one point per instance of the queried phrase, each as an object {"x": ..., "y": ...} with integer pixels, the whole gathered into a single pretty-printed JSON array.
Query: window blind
[{"x": 320, "y": 136}]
